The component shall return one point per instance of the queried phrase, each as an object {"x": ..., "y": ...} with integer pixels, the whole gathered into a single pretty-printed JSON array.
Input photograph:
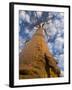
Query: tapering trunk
[{"x": 35, "y": 60}]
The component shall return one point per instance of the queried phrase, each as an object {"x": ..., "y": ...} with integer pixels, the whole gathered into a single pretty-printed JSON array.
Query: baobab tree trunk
[{"x": 35, "y": 60}]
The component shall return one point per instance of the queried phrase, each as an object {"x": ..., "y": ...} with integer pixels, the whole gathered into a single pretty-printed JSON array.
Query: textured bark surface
[{"x": 36, "y": 61}]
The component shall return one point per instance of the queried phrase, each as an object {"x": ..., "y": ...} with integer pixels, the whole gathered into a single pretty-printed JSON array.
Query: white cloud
[
  {"x": 24, "y": 16},
  {"x": 27, "y": 18},
  {"x": 50, "y": 15},
  {"x": 50, "y": 45},
  {"x": 51, "y": 30},
  {"x": 61, "y": 61},
  {"x": 32, "y": 33},
  {"x": 39, "y": 14},
  {"x": 57, "y": 23},
  {"x": 59, "y": 44},
  {"x": 27, "y": 31},
  {"x": 60, "y": 15},
  {"x": 20, "y": 21},
  {"x": 21, "y": 43}
]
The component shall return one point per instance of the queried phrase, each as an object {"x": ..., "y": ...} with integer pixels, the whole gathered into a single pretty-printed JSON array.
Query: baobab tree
[{"x": 36, "y": 60}]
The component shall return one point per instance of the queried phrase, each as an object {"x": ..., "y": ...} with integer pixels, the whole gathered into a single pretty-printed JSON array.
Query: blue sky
[{"x": 54, "y": 28}]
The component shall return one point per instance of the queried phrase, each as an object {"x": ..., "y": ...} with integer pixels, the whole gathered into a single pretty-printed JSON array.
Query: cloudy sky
[{"x": 54, "y": 27}]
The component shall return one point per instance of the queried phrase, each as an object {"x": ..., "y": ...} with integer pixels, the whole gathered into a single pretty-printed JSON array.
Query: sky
[{"x": 54, "y": 26}]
